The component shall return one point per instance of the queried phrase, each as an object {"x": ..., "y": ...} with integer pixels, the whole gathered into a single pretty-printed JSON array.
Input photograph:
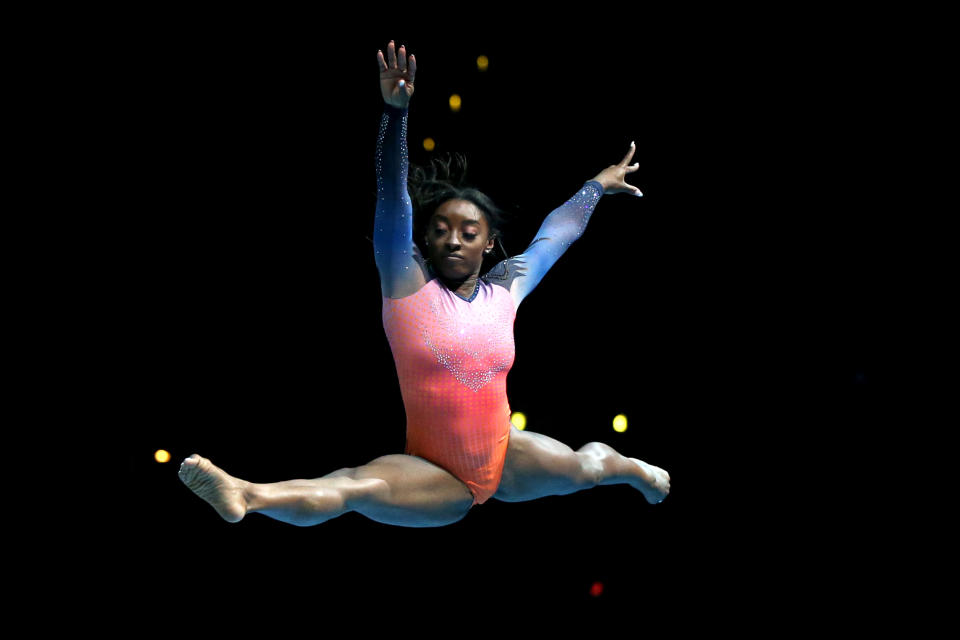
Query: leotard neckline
[{"x": 476, "y": 289}]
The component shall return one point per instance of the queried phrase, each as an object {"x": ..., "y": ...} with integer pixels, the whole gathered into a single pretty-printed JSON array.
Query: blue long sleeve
[
  {"x": 397, "y": 256},
  {"x": 565, "y": 224}
]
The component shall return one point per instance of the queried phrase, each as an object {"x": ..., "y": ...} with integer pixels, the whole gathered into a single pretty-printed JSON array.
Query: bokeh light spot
[
  {"x": 620, "y": 423},
  {"x": 161, "y": 456},
  {"x": 519, "y": 420}
]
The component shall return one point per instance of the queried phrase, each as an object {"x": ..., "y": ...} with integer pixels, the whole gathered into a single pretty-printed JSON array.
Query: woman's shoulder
[
  {"x": 396, "y": 296},
  {"x": 505, "y": 271}
]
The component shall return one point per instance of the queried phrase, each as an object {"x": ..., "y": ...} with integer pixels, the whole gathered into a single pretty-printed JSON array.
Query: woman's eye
[{"x": 469, "y": 236}]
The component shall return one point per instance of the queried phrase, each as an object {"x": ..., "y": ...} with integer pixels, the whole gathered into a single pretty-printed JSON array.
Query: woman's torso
[{"x": 453, "y": 356}]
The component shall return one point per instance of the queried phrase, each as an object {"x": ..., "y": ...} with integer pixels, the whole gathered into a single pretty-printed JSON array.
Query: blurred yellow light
[
  {"x": 162, "y": 456},
  {"x": 519, "y": 420},
  {"x": 620, "y": 423},
  {"x": 429, "y": 144},
  {"x": 455, "y": 102},
  {"x": 482, "y": 63}
]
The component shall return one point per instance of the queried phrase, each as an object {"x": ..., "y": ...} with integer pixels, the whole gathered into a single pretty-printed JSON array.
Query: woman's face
[{"x": 457, "y": 237}]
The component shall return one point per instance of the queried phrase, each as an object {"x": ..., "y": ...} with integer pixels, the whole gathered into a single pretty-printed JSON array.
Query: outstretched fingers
[
  {"x": 397, "y": 59},
  {"x": 628, "y": 168},
  {"x": 626, "y": 158},
  {"x": 392, "y": 55}
]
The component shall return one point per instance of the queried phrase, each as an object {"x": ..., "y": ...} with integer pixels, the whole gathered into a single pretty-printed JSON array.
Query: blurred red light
[{"x": 596, "y": 589}]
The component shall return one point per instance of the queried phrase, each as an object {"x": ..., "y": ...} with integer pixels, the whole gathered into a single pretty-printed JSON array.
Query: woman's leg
[
  {"x": 395, "y": 489},
  {"x": 538, "y": 466}
]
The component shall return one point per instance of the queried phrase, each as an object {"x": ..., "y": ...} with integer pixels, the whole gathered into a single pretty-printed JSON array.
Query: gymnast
[{"x": 450, "y": 330}]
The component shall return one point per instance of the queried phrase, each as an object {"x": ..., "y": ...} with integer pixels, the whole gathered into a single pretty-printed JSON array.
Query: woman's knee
[
  {"x": 594, "y": 457},
  {"x": 591, "y": 470}
]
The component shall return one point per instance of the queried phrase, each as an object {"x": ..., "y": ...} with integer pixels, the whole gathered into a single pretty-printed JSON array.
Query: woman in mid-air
[{"x": 451, "y": 333}]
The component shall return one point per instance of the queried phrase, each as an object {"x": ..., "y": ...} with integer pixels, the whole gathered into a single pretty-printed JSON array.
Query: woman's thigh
[
  {"x": 417, "y": 493},
  {"x": 538, "y": 466}
]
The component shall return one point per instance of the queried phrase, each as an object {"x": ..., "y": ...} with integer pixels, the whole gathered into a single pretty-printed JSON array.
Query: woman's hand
[
  {"x": 612, "y": 178},
  {"x": 396, "y": 78}
]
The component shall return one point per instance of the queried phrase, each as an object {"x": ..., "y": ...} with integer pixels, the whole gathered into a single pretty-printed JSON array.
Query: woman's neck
[{"x": 464, "y": 288}]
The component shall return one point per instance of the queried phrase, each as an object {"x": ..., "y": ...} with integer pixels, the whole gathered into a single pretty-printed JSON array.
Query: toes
[{"x": 188, "y": 468}]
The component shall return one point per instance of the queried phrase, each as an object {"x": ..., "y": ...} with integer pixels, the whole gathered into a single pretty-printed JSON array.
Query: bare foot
[
  {"x": 216, "y": 486},
  {"x": 656, "y": 482}
]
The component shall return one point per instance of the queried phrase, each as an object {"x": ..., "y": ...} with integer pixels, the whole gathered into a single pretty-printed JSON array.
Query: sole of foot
[{"x": 221, "y": 490}]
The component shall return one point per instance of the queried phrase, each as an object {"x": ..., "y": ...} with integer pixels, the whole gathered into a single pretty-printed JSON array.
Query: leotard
[{"x": 452, "y": 353}]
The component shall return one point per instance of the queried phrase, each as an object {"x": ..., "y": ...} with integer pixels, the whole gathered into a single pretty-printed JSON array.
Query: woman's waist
[
  {"x": 465, "y": 431},
  {"x": 446, "y": 389},
  {"x": 477, "y": 407}
]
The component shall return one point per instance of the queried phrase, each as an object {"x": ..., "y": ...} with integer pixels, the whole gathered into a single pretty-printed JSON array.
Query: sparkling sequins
[
  {"x": 565, "y": 224},
  {"x": 474, "y": 342},
  {"x": 384, "y": 145},
  {"x": 394, "y": 249}
]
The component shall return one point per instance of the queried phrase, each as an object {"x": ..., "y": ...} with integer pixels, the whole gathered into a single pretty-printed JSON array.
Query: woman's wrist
[{"x": 603, "y": 187}]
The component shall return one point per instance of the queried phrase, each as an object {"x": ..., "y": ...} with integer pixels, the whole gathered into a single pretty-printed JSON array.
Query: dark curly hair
[{"x": 445, "y": 179}]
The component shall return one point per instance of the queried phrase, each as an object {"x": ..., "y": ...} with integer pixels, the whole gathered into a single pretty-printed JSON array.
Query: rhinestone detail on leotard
[
  {"x": 383, "y": 213},
  {"x": 474, "y": 344}
]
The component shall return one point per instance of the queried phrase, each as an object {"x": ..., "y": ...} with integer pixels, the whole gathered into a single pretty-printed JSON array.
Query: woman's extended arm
[
  {"x": 398, "y": 259},
  {"x": 559, "y": 230},
  {"x": 565, "y": 224}
]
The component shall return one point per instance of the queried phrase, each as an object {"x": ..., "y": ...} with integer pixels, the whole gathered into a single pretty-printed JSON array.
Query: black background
[{"x": 737, "y": 313}]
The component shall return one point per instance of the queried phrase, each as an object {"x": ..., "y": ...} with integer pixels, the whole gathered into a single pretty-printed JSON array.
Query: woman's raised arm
[
  {"x": 561, "y": 228},
  {"x": 402, "y": 269}
]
